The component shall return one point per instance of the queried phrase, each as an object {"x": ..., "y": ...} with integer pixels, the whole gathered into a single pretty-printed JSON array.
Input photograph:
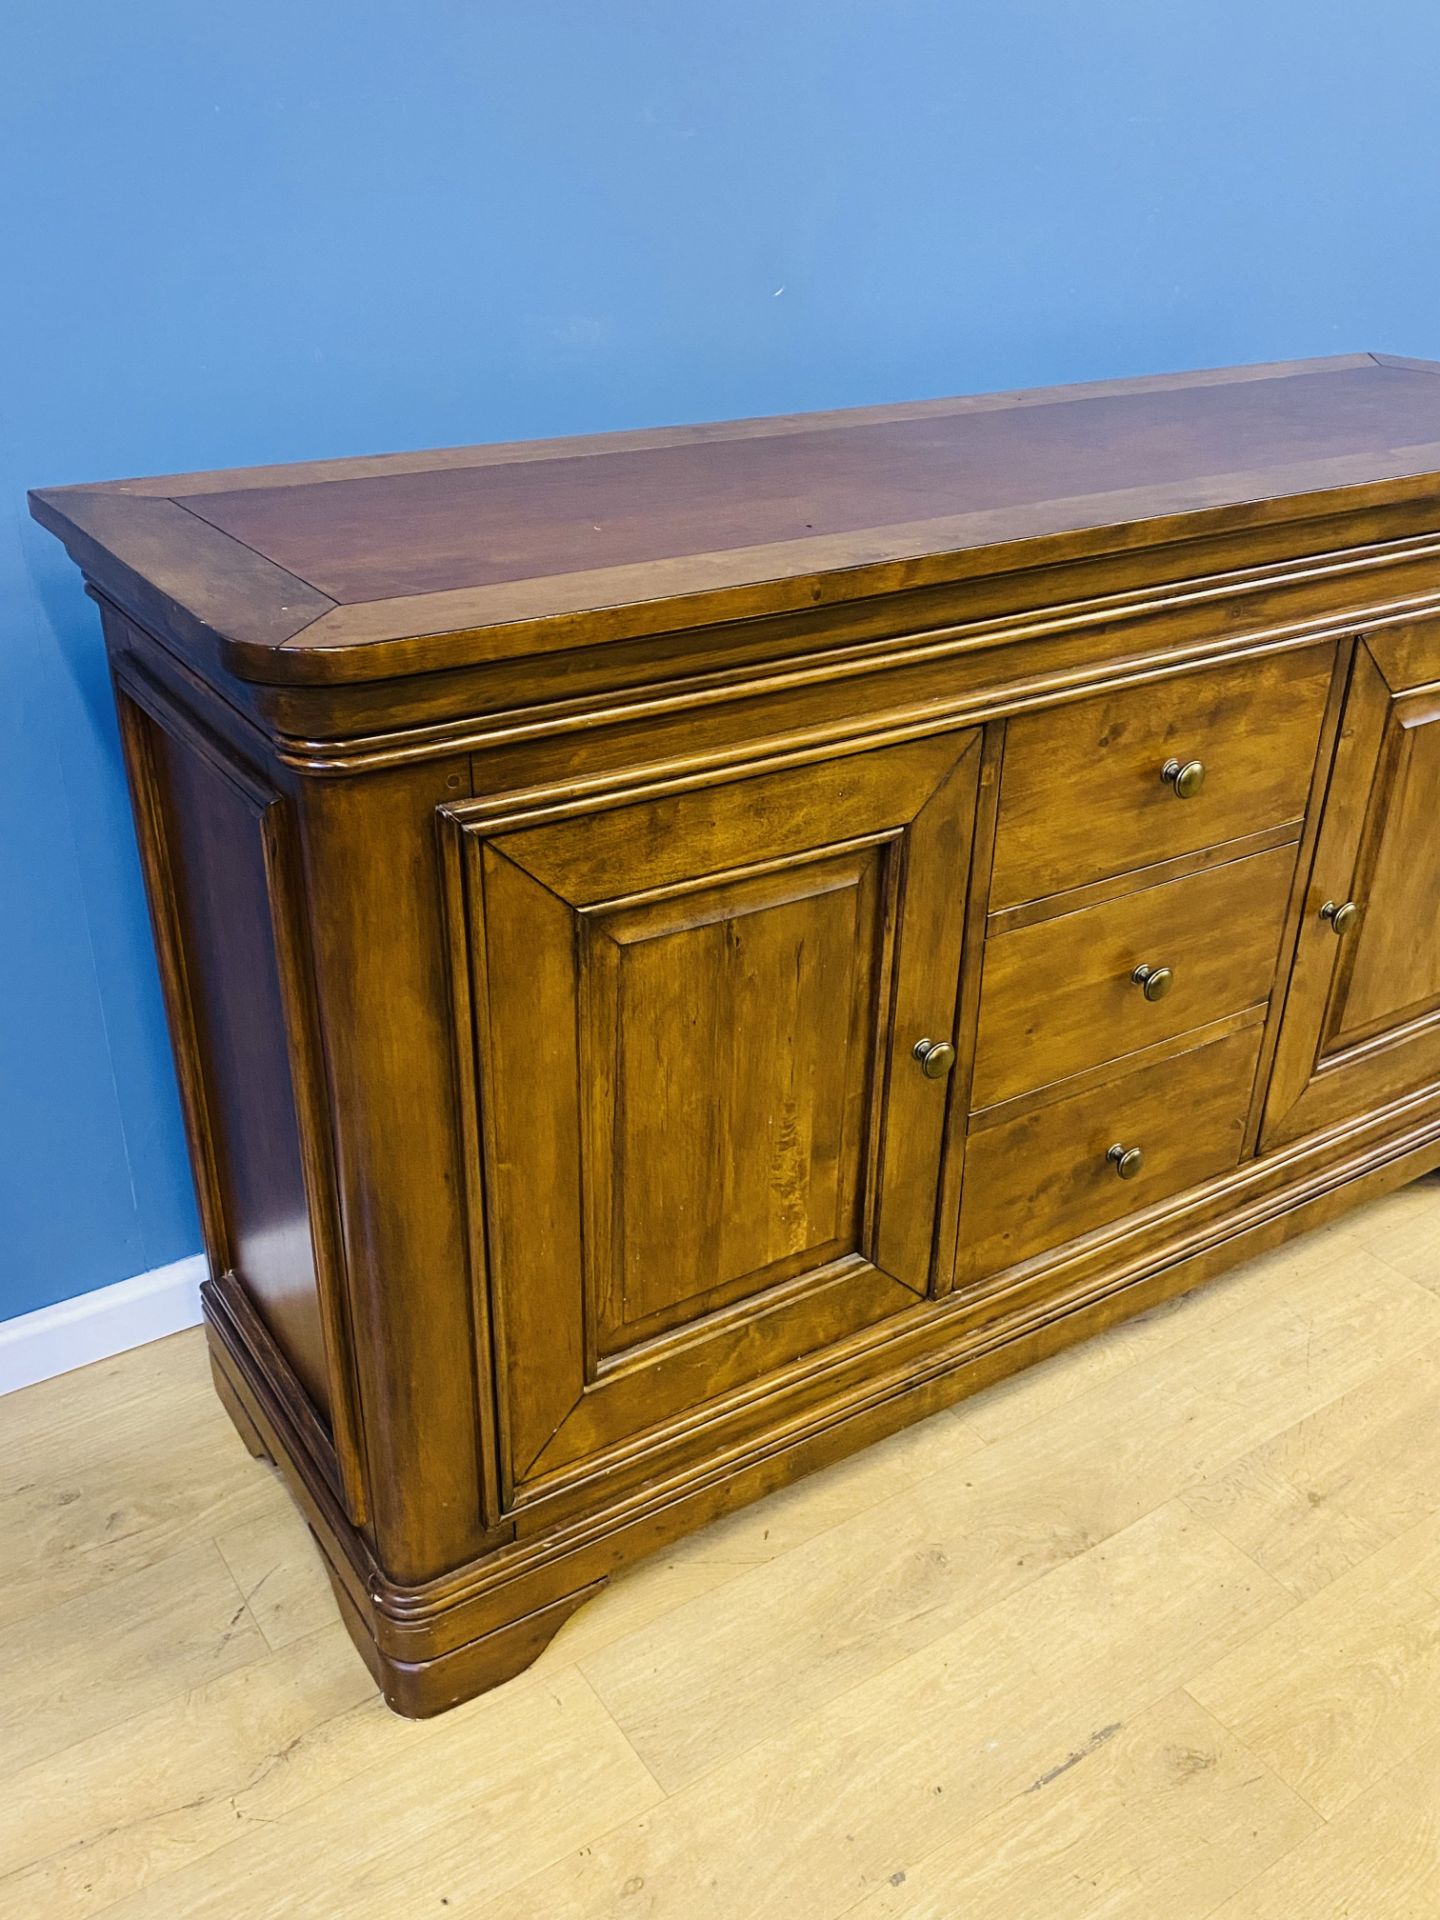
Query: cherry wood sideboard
[{"x": 687, "y": 950}]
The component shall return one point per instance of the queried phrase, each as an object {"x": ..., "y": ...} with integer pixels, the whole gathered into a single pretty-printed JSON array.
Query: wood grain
[
  {"x": 771, "y": 1648},
  {"x": 1045, "y": 1176},
  {"x": 503, "y": 1762},
  {"x": 495, "y": 538},
  {"x": 438, "y": 530},
  {"x": 178, "y": 1622},
  {"x": 1165, "y": 1813},
  {"x": 1340, "y": 1689},
  {"x": 1340, "y": 1484},
  {"x": 1379, "y": 1858},
  {"x": 1402, "y": 1235},
  {"x": 711, "y": 1067},
  {"x": 1060, "y": 996},
  {"x": 1362, "y": 1018},
  {"x": 648, "y": 928},
  {"x": 1083, "y": 796},
  {"x": 100, "y": 1490},
  {"x": 804, "y": 1822},
  {"x": 1037, "y": 1752}
]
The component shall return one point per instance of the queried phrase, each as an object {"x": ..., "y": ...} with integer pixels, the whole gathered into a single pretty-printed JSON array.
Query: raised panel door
[
  {"x": 710, "y": 1155},
  {"x": 1362, "y": 1019}
]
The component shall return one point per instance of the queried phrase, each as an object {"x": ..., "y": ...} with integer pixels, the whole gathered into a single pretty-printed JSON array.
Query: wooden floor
[{"x": 1151, "y": 1630}]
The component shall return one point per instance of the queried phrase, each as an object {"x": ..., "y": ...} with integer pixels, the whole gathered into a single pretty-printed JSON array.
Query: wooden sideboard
[{"x": 689, "y": 950}]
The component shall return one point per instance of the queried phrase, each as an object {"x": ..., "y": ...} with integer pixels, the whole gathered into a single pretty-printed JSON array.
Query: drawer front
[
  {"x": 1083, "y": 794},
  {"x": 1061, "y": 996},
  {"x": 1040, "y": 1179}
]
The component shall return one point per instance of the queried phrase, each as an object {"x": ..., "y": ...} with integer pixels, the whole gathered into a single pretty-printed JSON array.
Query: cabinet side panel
[{"x": 214, "y": 834}]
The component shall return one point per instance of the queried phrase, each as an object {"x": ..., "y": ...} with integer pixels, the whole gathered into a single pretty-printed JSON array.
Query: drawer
[
  {"x": 1083, "y": 796},
  {"x": 1061, "y": 996},
  {"x": 1045, "y": 1176}
]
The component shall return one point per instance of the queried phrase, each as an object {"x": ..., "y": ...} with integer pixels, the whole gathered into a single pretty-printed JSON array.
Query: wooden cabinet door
[
  {"x": 1361, "y": 1024},
  {"x": 709, "y": 1151}
]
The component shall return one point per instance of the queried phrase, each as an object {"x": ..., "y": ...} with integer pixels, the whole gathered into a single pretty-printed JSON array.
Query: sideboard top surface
[{"x": 335, "y": 570}]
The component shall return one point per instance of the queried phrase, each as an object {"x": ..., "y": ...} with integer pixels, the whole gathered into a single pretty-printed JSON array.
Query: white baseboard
[{"x": 72, "y": 1333}]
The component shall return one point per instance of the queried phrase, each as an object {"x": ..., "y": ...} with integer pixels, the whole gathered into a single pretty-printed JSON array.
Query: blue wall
[{"x": 271, "y": 232}]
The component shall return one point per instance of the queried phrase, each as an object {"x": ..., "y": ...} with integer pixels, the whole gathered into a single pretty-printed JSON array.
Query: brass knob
[
  {"x": 936, "y": 1058},
  {"x": 1127, "y": 1161},
  {"x": 1153, "y": 982},
  {"x": 1186, "y": 778},
  {"x": 1341, "y": 916}
]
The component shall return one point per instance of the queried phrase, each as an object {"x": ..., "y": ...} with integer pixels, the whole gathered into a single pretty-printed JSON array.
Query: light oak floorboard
[
  {"x": 112, "y": 1468},
  {"x": 1165, "y": 1817},
  {"x": 277, "y": 1567},
  {"x": 1328, "y": 1492},
  {"x": 1107, "y": 1640},
  {"x": 1378, "y": 1860},
  {"x": 722, "y": 1671},
  {"x": 1044, "y": 1391},
  {"x": 633, "y": 1600},
  {"x": 1403, "y": 1230},
  {"x": 123, "y": 1809},
  {"x": 527, "y": 1774},
  {"x": 787, "y": 1519},
  {"x": 119, "y": 1650},
  {"x": 279, "y": 1570},
  {"x": 1332, "y": 1695},
  {"x": 833, "y": 1805}
]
